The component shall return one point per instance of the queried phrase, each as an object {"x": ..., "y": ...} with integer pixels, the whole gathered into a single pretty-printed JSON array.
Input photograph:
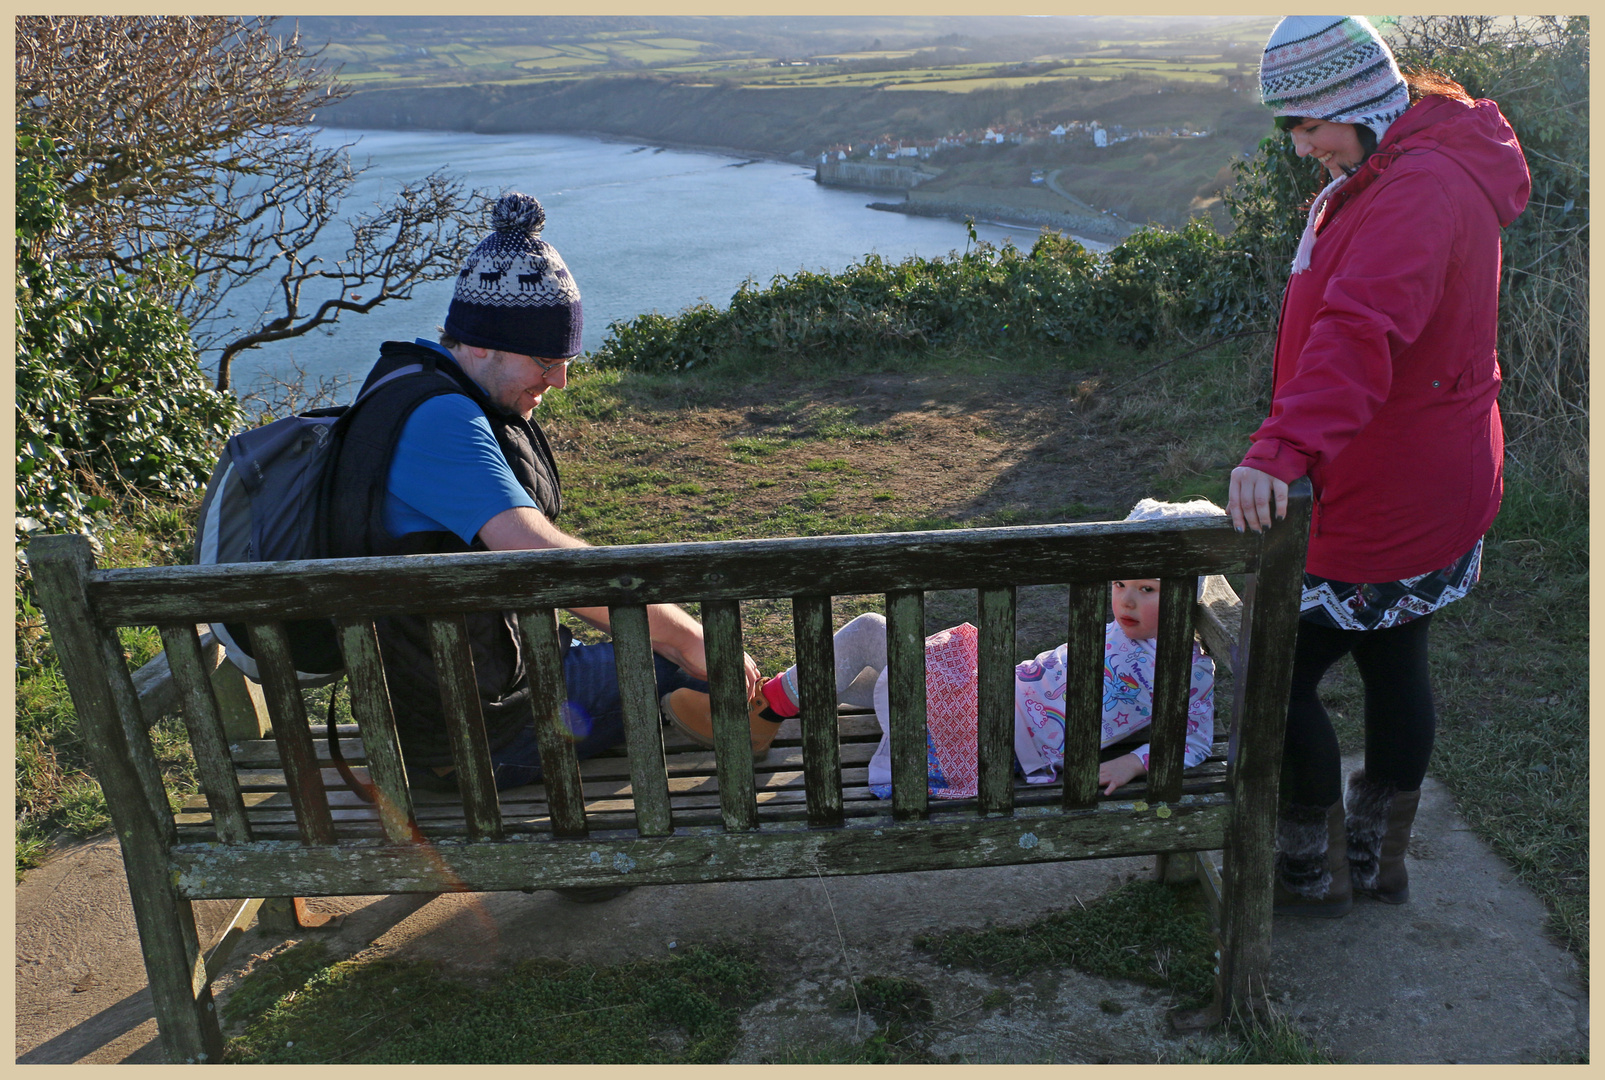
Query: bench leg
[
  {"x": 186, "y": 1018},
  {"x": 288, "y": 915}
]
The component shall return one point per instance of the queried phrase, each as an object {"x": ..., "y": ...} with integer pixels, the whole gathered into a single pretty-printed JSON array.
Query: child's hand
[{"x": 1119, "y": 772}]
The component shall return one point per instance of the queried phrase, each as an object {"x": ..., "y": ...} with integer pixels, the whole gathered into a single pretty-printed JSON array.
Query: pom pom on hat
[
  {"x": 1332, "y": 67},
  {"x": 1154, "y": 510},
  {"x": 518, "y": 213},
  {"x": 514, "y": 293}
]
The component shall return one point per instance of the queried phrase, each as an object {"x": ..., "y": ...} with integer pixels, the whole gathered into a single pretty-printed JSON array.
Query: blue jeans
[{"x": 594, "y": 715}]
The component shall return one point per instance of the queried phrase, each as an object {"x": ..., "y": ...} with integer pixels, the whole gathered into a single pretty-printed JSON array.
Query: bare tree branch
[{"x": 190, "y": 165}]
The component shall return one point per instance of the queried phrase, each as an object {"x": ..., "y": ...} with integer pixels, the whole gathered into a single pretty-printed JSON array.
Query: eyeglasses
[{"x": 546, "y": 369}]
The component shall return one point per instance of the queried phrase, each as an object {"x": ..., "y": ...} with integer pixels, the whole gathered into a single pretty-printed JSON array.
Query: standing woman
[{"x": 1385, "y": 387}]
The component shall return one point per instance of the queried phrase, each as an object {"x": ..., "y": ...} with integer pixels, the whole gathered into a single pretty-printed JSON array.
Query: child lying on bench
[{"x": 1039, "y": 688}]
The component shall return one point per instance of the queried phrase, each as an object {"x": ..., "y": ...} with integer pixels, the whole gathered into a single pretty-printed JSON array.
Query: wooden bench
[{"x": 275, "y": 821}]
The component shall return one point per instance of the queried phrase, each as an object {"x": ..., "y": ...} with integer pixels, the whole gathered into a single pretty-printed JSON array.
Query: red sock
[{"x": 774, "y": 692}]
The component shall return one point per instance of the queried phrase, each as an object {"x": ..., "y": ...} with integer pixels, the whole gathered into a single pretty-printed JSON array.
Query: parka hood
[{"x": 1476, "y": 137}]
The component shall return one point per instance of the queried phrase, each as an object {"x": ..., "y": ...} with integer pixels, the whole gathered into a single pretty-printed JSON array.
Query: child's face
[{"x": 1136, "y": 607}]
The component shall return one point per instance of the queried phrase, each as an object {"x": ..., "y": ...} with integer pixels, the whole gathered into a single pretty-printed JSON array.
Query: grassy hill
[{"x": 790, "y": 87}]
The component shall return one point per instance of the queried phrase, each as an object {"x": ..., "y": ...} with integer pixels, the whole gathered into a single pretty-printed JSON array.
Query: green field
[{"x": 440, "y": 52}]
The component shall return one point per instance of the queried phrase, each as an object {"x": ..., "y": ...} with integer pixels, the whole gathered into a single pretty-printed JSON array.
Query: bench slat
[
  {"x": 905, "y": 686},
  {"x": 821, "y": 730},
  {"x": 1083, "y": 700},
  {"x": 947, "y": 841},
  {"x": 203, "y": 720},
  {"x": 1172, "y": 679},
  {"x": 465, "y": 725},
  {"x": 672, "y": 573},
  {"x": 1198, "y": 779},
  {"x": 370, "y": 707},
  {"x": 290, "y": 731},
  {"x": 994, "y": 699},
  {"x": 732, "y": 733},
  {"x": 643, "y": 727},
  {"x": 543, "y": 647}
]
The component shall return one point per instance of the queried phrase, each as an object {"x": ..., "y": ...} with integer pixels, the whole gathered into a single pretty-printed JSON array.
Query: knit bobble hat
[
  {"x": 1332, "y": 67},
  {"x": 1155, "y": 510},
  {"x": 514, "y": 293}
]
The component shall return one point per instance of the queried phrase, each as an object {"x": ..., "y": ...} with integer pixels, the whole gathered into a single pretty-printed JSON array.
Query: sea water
[{"x": 642, "y": 229}]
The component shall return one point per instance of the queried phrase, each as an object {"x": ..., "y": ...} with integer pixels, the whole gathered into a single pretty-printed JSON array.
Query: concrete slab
[{"x": 1463, "y": 973}]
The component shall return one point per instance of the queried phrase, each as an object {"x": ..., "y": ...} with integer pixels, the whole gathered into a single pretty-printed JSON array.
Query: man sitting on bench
[{"x": 449, "y": 459}]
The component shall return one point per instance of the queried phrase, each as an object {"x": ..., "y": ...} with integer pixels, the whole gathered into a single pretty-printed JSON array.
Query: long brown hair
[{"x": 1423, "y": 81}]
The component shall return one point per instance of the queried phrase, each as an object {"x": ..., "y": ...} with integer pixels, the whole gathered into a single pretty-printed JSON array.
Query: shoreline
[
  {"x": 1075, "y": 225},
  {"x": 1081, "y": 225}
]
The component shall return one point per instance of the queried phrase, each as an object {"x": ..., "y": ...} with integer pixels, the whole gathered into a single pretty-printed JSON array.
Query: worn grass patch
[
  {"x": 1150, "y": 933},
  {"x": 56, "y": 793},
  {"x": 301, "y": 1008},
  {"x": 1269, "y": 1039}
]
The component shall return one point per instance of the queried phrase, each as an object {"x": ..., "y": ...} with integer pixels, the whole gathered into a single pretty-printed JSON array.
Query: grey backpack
[{"x": 266, "y": 502}]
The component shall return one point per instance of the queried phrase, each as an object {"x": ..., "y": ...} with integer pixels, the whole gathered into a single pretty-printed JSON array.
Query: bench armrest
[
  {"x": 158, "y": 695},
  {"x": 1220, "y": 620}
]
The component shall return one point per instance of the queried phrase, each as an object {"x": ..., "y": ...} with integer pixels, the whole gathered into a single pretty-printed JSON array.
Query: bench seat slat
[
  {"x": 1198, "y": 779},
  {"x": 853, "y": 728}
]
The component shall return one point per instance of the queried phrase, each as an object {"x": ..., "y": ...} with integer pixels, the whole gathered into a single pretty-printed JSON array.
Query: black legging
[{"x": 1399, "y": 718}]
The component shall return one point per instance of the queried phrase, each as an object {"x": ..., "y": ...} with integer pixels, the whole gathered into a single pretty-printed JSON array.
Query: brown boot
[
  {"x": 1378, "y": 826},
  {"x": 691, "y": 714},
  {"x": 1312, "y": 865}
]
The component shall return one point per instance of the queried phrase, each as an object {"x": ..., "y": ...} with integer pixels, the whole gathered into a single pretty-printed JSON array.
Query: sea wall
[{"x": 877, "y": 175}]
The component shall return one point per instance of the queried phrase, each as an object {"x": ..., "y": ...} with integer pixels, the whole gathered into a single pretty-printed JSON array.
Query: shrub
[
  {"x": 1191, "y": 282},
  {"x": 111, "y": 399}
]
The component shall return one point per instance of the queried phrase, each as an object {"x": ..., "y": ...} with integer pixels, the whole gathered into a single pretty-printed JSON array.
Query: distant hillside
[{"x": 795, "y": 123}]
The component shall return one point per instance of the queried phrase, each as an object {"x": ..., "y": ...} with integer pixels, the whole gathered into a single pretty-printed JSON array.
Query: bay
[{"x": 642, "y": 229}]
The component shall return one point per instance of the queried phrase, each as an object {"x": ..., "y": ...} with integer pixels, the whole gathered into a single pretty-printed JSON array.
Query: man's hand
[
  {"x": 689, "y": 651},
  {"x": 1119, "y": 772},
  {"x": 1252, "y": 493},
  {"x": 676, "y": 636}
]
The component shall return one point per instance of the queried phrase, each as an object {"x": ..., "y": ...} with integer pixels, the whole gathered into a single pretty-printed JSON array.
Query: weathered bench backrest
[
  {"x": 85, "y": 606},
  {"x": 719, "y": 575}
]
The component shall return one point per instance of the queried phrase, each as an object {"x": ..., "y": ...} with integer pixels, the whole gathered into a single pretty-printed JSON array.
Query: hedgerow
[{"x": 1191, "y": 281}]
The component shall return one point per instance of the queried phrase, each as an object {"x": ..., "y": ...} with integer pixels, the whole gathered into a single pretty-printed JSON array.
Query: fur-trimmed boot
[
  {"x": 1312, "y": 865},
  {"x": 1378, "y": 824}
]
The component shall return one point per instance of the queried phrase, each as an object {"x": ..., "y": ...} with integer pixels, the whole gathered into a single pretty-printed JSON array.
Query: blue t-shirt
[{"x": 448, "y": 473}]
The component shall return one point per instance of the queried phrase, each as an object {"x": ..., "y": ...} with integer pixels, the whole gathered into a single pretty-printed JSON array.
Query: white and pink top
[{"x": 1128, "y": 699}]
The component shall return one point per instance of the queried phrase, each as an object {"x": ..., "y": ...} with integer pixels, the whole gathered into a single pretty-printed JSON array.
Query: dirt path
[{"x": 1463, "y": 973}]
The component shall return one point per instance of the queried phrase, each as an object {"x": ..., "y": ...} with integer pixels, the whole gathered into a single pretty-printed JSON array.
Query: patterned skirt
[{"x": 1347, "y": 606}]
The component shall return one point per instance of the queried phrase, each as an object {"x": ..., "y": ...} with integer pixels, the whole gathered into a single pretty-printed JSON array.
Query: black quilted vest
[{"x": 355, "y": 525}]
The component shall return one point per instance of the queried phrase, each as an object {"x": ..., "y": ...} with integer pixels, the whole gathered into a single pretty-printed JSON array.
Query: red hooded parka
[{"x": 1385, "y": 372}]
